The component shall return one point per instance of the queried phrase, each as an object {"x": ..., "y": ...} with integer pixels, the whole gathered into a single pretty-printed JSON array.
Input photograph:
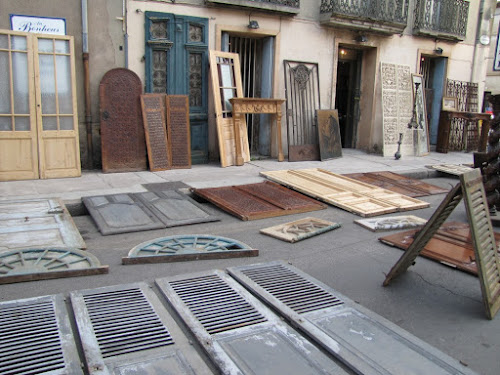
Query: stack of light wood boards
[{"x": 354, "y": 196}]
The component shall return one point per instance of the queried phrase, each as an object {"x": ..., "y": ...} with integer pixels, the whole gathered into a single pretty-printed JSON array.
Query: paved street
[{"x": 436, "y": 303}]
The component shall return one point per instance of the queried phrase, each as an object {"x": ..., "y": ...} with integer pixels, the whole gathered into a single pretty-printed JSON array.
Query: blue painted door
[{"x": 176, "y": 64}]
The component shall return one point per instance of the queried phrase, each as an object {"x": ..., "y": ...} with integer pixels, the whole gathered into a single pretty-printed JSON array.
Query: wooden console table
[
  {"x": 446, "y": 132},
  {"x": 256, "y": 105}
]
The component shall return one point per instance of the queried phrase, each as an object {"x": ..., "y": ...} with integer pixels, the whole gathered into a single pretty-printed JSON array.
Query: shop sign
[{"x": 39, "y": 25}]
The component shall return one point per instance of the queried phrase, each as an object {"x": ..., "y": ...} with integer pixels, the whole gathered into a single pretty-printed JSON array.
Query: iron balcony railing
[
  {"x": 442, "y": 18},
  {"x": 379, "y": 11}
]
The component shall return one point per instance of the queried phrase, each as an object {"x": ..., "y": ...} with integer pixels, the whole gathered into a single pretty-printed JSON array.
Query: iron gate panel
[
  {"x": 37, "y": 337},
  {"x": 364, "y": 341},
  {"x": 302, "y": 100},
  {"x": 125, "y": 329},
  {"x": 241, "y": 335},
  {"x": 123, "y": 143}
]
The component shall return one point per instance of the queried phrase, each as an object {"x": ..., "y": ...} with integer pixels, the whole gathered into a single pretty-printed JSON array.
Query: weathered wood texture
[
  {"x": 299, "y": 230},
  {"x": 178, "y": 131},
  {"x": 330, "y": 145}
]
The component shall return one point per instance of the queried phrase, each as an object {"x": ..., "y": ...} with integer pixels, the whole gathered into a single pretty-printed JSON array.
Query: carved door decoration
[
  {"x": 176, "y": 63},
  {"x": 330, "y": 145},
  {"x": 351, "y": 195},
  {"x": 123, "y": 144},
  {"x": 392, "y": 223},
  {"x": 38, "y": 111},
  {"x": 178, "y": 132},
  {"x": 153, "y": 114},
  {"x": 302, "y": 100},
  {"x": 397, "y": 106},
  {"x": 299, "y": 230},
  {"x": 226, "y": 84}
]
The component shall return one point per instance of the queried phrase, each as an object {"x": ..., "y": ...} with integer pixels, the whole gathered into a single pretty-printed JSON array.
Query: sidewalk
[{"x": 70, "y": 190}]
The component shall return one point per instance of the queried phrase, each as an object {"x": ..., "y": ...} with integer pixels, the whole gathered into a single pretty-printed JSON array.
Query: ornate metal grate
[
  {"x": 390, "y": 11},
  {"x": 443, "y": 17}
]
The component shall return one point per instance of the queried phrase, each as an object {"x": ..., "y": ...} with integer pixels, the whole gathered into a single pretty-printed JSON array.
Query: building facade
[{"x": 342, "y": 43}]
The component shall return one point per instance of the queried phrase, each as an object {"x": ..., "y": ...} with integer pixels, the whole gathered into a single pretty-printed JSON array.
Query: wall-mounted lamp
[
  {"x": 139, "y": 11},
  {"x": 361, "y": 38},
  {"x": 253, "y": 25},
  {"x": 438, "y": 50}
]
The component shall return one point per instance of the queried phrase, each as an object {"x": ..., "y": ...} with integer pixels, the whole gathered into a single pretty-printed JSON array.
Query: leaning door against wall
[
  {"x": 59, "y": 149},
  {"x": 176, "y": 64},
  {"x": 18, "y": 133}
]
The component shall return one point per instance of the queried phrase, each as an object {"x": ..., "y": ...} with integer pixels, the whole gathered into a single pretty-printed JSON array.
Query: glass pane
[
  {"x": 226, "y": 75},
  {"x": 159, "y": 74},
  {"x": 195, "y": 79},
  {"x": 66, "y": 123},
  {"x": 49, "y": 123},
  {"x": 62, "y": 46},
  {"x": 226, "y": 95},
  {"x": 47, "y": 84},
  {"x": 5, "y": 83},
  {"x": 159, "y": 29},
  {"x": 20, "y": 82},
  {"x": 18, "y": 42},
  {"x": 22, "y": 124},
  {"x": 4, "y": 41},
  {"x": 195, "y": 33},
  {"x": 45, "y": 45},
  {"x": 64, "y": 94},
  {"x": 5, "y": 123}
]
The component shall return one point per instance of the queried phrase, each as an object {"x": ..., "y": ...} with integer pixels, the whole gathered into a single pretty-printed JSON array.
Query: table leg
[
  {"x": 278, "y": 135},
  {"x": 237, "y": 138}
]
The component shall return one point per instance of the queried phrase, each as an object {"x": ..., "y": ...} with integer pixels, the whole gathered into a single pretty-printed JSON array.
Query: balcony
[
  {"x": 442, "y": 19},
  {"x": 381, "y": 16},
  {"x": 283, "y": 7}
]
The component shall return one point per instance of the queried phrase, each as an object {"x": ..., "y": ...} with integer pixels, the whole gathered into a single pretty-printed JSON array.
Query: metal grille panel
[
  {"x": 215, "y": 304},
  {"x": 293, "y": 290},
  {"x": 125, "y": 322}
]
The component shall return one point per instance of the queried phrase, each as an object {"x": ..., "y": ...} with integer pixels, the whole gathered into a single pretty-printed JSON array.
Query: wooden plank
[
  {"x": 153, "y": 114},
  {"x": 454, "y": 169},
  {"x": 178, "y": 131},
  {"x": 483, "y": 238},
  {"x": 330, "y": 145},
  {"x": 306, "y": 152},
  {"x": 299, "y": 230}
]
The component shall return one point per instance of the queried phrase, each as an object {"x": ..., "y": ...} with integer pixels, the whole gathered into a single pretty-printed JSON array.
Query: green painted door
[{"x": 176, "y": 64}]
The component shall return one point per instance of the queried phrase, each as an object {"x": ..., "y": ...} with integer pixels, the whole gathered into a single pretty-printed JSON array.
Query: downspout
[
  {"x": 86, "y": 86},
  {"x": 125, "y": 30}
]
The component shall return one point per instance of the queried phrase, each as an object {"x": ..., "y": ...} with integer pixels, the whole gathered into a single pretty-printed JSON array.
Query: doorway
[{"x": 348, "y": 94}]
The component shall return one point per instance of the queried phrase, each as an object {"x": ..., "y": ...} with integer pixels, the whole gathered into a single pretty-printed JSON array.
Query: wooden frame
[
  {"x": 229, "y": 83},
  {"x": 422, "y": 139},
  {"x": 449, "y": 104}
]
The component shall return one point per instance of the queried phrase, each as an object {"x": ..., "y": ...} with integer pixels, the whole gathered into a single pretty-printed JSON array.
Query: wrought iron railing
[
  {"x": 384, "y": 11},
  {"x": 442, "y": 17}
]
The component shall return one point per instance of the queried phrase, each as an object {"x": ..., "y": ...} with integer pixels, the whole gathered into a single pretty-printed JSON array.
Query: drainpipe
[
  {"x": 86, "y": 86},
  {"x": 125, "y": 30}
]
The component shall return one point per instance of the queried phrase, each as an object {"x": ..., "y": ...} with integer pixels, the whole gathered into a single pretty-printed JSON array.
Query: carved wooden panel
[
  {"x": 351, "y": 195},
  {"x": 153, "y": 112},
  {"x": 123, "y": 142},
  {"x": 258, "y": 201},
  {"x": 397, "y": 102},
  {"x": 179, "y": 135},
  {"x": 391, "y": 223},
  {"x": 398, "y": 183},
  {"x": 299, "y": 230},
  {"x": 330, "y": 145}
]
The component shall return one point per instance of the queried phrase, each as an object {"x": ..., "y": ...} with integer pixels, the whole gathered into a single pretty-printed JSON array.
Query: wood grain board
[
  {"x": 330, "y": 145},
  {"x": 299, "y": 230},
  {"x": 178, "y": 130},
  {"x": 354, "y": 196},
  {"x": 259, "y": 201}
]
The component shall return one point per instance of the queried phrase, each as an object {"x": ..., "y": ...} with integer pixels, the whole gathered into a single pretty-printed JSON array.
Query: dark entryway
[{"x": 348, "y": 94}]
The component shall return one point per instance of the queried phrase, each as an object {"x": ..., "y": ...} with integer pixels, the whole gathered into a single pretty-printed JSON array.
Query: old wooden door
[
  {"x": 176, "y": 64},
  {"x": 38, "y": 113}
]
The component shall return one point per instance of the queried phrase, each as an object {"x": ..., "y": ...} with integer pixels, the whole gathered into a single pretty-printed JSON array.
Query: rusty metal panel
[
  {"x": 186, "y": 247},
  {"x": 153, "y": 114},
  {"x": 398, "y": 183},
  {"x": 120, "y": 213},
  {"x": 364, "y": 341},
  {"x": 330, "y": 145},
  {"x": 174, "y": 208},
  {"x": 125, "y": 329},
  {"x": 37, "y": 222},
  {"x": 238, "y": 332},
  {"x": 37, "y": 337},
  {"x": 258, "y": 201},
  {"x": 483, "y": 239},
  {"x": 437, "y": 219},
  {"x": 451, "y": 245},
  {"x": 123, "y": 145},
  {"x": 179, "y": 134},
  {"x": 299, "y": 230},
  {"x": 391, "y": 223}
]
